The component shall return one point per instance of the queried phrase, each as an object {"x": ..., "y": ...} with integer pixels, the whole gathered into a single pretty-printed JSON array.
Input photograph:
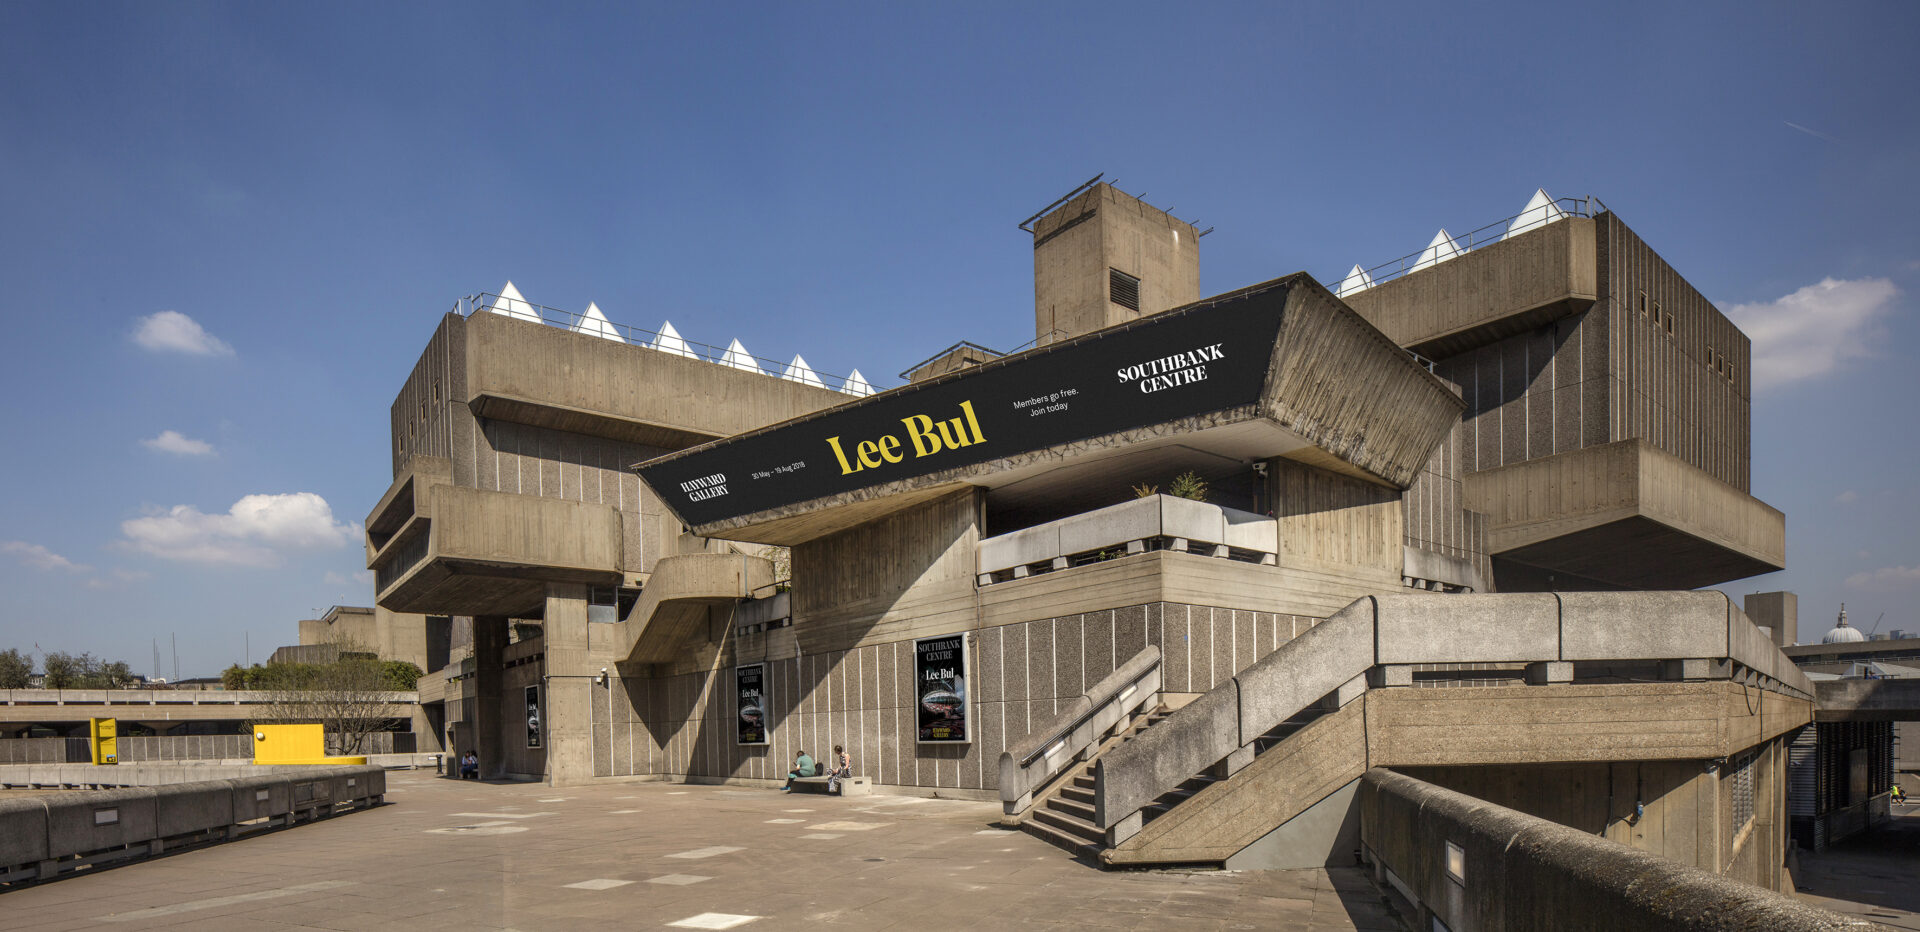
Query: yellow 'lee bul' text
[{"x": 926, "y": 436}]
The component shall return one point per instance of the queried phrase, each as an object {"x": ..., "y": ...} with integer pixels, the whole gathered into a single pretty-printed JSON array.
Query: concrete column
[
  {"x": 569, "y": 686},
  {"x": 489, "y": 678}
]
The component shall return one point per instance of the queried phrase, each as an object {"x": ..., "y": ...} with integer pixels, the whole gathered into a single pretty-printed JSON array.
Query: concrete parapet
[
  {"x": 78, "y": 823},
  {"x": 23, "y": 831},
  {"x": 1474, "y": 865},
  {"x": 260, "y": 797},
  {"x": 1134, "y": 774},
  {"x": 1469, "y": 628},
  {"x": 1064, "y": 737},
  {"x": 186, "y": 808},
  {"x": 1194, "y": 526},
  {"x": 1653, "y": 625},
  {"x": 1301, "y": 671}
]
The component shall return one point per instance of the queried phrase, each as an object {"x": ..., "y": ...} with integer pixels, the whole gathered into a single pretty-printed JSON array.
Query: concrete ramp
[
  {"x": 1225, "y": 821},
  {"x": 672, "y": 610}
]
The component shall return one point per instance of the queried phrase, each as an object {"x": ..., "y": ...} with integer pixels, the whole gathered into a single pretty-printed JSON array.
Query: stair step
[
  {"x": 1079, "y": 809},
  {"x": 1072, "y": 844},
  {"x": 1079, "y": 794},
  {"x": 1086, "y": 830},
  {"x": 1086, "y": 783}
]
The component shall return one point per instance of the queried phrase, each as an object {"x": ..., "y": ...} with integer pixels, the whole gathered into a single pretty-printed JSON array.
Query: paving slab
[{"x": 620, "y": 854}]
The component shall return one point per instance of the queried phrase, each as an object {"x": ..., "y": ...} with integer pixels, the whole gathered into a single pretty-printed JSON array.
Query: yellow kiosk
[{"x": 294, "y": 744}]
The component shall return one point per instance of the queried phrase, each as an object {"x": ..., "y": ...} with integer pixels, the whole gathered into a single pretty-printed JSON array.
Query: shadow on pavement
[{"x": 1872, "y": 875}]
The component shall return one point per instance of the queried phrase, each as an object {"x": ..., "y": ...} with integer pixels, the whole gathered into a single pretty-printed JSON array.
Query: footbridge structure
[{"x": 1654, "y": 718}]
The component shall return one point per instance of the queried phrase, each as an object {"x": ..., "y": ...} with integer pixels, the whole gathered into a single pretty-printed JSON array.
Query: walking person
[{"x": 842, "y": 768}]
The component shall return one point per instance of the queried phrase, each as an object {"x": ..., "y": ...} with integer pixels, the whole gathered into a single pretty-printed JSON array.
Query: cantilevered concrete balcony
[
  {"x": 438, "y": 548},
  {"x": 546, "y": 376},
  {"x": 1280, "y": 370},
  {"x": 1512, "y": 286},
  {"x": 1154, "y": 522},
  {"x": 1626, "y": 515}
]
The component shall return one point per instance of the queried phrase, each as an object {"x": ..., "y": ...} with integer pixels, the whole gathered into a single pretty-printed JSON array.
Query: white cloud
[
  {"x": 117, "y": 578},
  {"x": 1847, "y": 498},
  {"x": 39, "y": 557},
  {"x": 1812, "y": 331},
  {"x": 172, "y": 441},
  {"x": 174, "y": 332},
  {"x": 1886, "y": 577},
  {"x": 254, "y": 532}
]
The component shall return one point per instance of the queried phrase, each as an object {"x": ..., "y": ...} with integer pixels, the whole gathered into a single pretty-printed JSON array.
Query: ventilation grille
[{"x": 1125, "y": 289}]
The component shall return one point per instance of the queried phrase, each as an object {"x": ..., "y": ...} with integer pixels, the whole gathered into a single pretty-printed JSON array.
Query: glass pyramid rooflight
[
  {"x": 738, "y": 358},
  {"x": 1540, "y": 211},
  {"x": 669, "y": 341},
  {"x": 1356, "y": 280},
  {"x": 799, "y": 371},
  {"x": 510, "y": 303},
  {"x": 597, "y": 324},
  {"x": 857, "y": 384},
  {"x": 1440, "y": 250}
]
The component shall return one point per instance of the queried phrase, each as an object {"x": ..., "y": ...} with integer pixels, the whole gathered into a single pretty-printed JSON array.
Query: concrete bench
[{"x": 855, "y": 785}]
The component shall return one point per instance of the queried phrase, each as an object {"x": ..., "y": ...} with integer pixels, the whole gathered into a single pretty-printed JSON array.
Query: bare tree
[{"x": 351, "y": 696}]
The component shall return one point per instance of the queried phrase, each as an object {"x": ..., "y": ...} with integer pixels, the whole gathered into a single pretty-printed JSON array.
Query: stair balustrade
[{"x": 1071, "y": 733}]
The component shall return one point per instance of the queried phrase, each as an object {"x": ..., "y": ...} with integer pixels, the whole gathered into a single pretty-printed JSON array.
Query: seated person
[
  {"x": 470, "y": 766},
  {"x": 842, "y": 768},
  {"x": 803, "y": 766}
]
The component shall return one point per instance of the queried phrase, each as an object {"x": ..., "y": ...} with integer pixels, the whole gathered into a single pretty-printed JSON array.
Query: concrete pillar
[
  {"x": 1548, "y": 672},
  {"x": 489, "y": 678},
  {"x": 569, "y": 687}
]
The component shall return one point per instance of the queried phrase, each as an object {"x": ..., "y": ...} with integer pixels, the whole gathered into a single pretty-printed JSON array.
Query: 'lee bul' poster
[
  {"x": 940, "y": 676},
  {"x": 749, "y": 685}
]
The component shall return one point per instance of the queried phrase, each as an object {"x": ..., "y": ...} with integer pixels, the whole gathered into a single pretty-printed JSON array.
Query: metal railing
[
  {"x": 677, "y": 345},
  {"x": 1494, "y": 232}
]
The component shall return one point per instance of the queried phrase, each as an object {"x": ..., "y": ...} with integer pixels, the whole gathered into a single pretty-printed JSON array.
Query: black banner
[
  {"x": 748, "y": 686},
  {"x": 940, "y": 679},
  {"x": 533, "y": 716},
  {"x": 1193, "y": 362}
]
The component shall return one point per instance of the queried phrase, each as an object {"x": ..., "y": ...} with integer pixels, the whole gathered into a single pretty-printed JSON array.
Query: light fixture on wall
[{"x": 602, "y": 679}]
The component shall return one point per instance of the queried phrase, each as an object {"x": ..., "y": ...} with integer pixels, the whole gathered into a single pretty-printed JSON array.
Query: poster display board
[
  {"x": 749, "y": 686},
  {"x": 940, "y": 668},
  {"x": 1204, "y": 359},
  {"x": 533, "y": 716}
]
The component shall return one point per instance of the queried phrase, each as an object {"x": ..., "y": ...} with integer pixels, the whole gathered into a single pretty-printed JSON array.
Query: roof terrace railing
[
  {"x": 1494, "y": 232},
  {"x": 666, "y": 341}
]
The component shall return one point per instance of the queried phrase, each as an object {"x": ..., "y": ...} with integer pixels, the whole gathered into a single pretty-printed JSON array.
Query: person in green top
[{"x": 803, "y": 766}]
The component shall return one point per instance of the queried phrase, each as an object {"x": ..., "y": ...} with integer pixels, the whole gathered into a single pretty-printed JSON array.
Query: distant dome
[{"x": 1842, "y": 633}]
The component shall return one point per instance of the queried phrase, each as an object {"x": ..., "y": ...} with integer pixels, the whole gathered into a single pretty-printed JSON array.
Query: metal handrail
[
  {"x": 1588, "y": 206},
  {"x": 634, "y": 336},
  {"x": 1061, "y": 734}
]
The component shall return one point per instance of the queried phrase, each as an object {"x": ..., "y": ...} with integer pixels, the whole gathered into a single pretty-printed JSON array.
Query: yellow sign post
[{"x": 103, "y": 736}]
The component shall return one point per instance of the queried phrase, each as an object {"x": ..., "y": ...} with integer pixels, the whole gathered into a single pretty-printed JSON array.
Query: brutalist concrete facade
[{"x": 1361, "y": 469}]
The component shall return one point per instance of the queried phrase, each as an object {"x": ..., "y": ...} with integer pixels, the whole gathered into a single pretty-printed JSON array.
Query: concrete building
[
  {"x": 386, "y": 634},
  {"x": 1431, "y": 499},
  {"x": 1868, "y": 732}
]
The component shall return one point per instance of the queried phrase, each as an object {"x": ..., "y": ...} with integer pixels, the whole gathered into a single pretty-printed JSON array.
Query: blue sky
[{"x": 308, "y": 188}]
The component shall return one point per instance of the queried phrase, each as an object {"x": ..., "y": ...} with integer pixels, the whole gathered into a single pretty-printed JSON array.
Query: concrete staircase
[{"x": 1064, "y": 814}]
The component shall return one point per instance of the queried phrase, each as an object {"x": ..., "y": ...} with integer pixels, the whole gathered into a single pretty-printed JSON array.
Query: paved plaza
[{"x": 474, "y": 856}]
